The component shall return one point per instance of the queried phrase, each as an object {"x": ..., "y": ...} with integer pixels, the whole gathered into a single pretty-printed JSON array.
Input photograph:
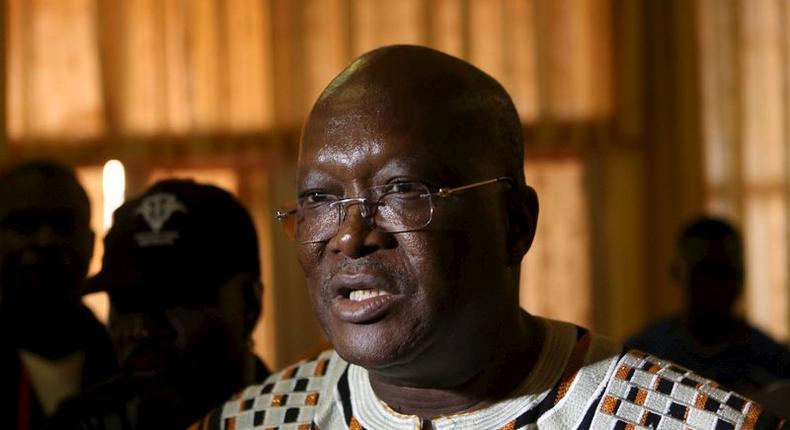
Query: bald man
[{"x": 411, "y": 222}]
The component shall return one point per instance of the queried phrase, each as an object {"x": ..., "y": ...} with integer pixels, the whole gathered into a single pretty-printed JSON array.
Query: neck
[
  {"x": 508, "y": 360},
  {"x": 712, "y": 330}
]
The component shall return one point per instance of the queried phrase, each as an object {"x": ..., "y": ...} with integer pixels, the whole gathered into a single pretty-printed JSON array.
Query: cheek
[
  {"x": 436, "y": 260},
  {"x": 315, "y": 268}
]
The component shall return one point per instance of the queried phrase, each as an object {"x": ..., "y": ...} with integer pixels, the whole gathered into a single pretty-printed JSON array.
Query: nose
[
  {"x": 45, "y": 236},
  {"x": 356, "y": 235},
  {"x": 142, "y": 325}
]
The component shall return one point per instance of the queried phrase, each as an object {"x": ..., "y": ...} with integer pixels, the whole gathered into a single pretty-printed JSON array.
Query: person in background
[
  {"x": 411, "y": 221},
  {"x": 51, "y": 346},
  {"x": 709, "y": 336},
  {"x": 182, "y": 271}
]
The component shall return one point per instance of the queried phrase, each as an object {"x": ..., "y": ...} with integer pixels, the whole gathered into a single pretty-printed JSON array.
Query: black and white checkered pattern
[{"x": 647, "y": 392}]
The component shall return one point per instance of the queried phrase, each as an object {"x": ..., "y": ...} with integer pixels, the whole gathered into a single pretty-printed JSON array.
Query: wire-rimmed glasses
[{"x": 398, "y": 207}]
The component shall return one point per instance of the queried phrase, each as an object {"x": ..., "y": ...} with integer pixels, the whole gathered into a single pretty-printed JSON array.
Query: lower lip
[{"x": 363, "y": 311}]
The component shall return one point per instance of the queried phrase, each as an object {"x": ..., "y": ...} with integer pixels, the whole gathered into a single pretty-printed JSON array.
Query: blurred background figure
[
  {"x": 182, "y": 272},
  {"x": 52, "y": 346},
  {"x": 709, "y": 336}
]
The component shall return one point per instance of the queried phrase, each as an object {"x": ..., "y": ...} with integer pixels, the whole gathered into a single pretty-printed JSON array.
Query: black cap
[{"x": 178, "y": 237}]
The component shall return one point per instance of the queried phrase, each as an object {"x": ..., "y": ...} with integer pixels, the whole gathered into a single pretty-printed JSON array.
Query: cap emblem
[{"x": 156, "y": 209}]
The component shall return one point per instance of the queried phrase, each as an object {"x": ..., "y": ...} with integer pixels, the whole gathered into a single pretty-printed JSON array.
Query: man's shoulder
[
  {"x": 288, "y": 397},
  {"x": 646, "y": 391}
]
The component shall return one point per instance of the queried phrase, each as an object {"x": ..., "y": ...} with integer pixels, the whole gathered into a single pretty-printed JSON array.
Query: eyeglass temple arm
[
  {"x": 446, "y": 192},
  {"x": 282, "y": 214}
]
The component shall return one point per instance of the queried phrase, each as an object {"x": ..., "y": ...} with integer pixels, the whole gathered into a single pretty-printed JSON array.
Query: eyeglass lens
[{"x": 393, "y": 208}]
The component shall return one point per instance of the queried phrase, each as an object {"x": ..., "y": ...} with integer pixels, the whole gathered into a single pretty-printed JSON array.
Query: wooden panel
[
  {"x": 487, "y": 37},
  {"x": 207, "y": 99},
  {"x": 176, "y": 72},
  {"x": 248, "y": 66},
  {"x": 555, "y": 274},
  {"x": 575, "y": 37},
  {"x": 55, "y": 87},
  {"x": 721, "y": 114},
  {"x": 16, "y": 69},
  {"x": 763, "y": 79},
  {"x": 144, "y": 95},
  {"x": 764, "y": 151},
  {"x": 765, "y": 230},
  {"x": 447, "y": 27},
  {"x": 520, "y": 62},
  {"x": 327, "y": 44},
  {"x": 380, "y": 23}
]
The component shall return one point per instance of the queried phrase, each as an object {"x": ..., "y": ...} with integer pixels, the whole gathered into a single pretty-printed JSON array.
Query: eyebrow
[{"x": 430, "y": 170}]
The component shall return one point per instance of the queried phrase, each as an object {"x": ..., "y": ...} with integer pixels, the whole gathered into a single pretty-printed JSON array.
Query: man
[
  {"x": 709, "y": 336},
  {"x": 52, "y": 346},
  {"x": 411, "y": 223},
  {"x": 181, "y": 267}
]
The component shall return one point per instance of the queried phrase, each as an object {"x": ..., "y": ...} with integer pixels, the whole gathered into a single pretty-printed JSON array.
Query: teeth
[{"x": 360, "y": 295}]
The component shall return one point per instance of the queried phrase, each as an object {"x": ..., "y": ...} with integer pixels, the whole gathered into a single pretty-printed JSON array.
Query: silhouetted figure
[
  {"x": 52, "y": 346},
  {"x": 182, "y": 271},
  {"x": 708, "y": 336}
]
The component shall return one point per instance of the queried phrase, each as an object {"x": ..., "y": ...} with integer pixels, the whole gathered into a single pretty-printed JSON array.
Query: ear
[{"x": 522, "y": 209}]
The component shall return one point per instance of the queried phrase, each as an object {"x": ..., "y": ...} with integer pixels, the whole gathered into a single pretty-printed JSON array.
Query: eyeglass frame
[{"x": 444, "y": 192}]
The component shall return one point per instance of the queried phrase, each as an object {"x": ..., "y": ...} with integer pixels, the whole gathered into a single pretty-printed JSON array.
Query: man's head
[
  {"x": 182, "y": 271},
  {"x": 406, "y": 114},
  {"x": 710, "y": 266},
  {"x": 45, "y": 238}
]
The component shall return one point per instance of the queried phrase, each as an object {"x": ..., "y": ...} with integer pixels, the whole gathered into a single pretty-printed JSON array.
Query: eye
[
  {"x": 315, "y": 198},
  {"x": 404, "y": 190}
]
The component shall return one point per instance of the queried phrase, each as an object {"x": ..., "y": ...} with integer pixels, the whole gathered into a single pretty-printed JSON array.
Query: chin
[{"x": 372, "y": 346}]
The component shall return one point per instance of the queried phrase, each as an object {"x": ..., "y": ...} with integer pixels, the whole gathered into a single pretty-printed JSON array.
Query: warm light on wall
[{"x": 113, "y": 187}]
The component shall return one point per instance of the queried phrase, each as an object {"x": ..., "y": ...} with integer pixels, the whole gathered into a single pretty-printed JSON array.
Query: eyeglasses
[{"x": 394, "y": 208}]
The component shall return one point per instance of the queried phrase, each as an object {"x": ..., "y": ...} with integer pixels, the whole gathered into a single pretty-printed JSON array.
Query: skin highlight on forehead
[{"x": 415, "y": 93}]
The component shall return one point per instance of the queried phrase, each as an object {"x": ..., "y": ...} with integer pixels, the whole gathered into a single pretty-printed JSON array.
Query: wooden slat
[
  {"x": 109, "y": 41},
  {"x": 379, "y": 23},
  {"x": 556, "y": 274},
  {"x": 487, "y": 26},
  {"x": 764, "y": 151},
  {"x": 143, "y": 92},
  {"x": 61, "y": 90},
  {"x": 4, "y": 12},
  {"x": 175, "y": 69},
  {"x": 448, "y": 26},
  {"x": 246, "y": 67},
  {"x": 326, "y": 35},
  {"x": 204, "y": 50},
  {"x": 520, "y": 60}
]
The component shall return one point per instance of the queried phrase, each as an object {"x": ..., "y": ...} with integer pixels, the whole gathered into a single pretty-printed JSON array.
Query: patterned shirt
[{"x": 580, "y": 381}]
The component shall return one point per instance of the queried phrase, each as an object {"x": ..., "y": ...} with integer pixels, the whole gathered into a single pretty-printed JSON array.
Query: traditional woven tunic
[{"x": 580, "y": 381}]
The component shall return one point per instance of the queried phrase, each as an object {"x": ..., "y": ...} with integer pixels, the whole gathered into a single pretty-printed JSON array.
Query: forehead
[
  {"x": 725, "y": 250},
  {"x": 35, "y": 193},
  {"x": 382, "y": 141}
]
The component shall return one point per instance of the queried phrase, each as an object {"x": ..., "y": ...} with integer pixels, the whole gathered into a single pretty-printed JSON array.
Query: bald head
[{"x": 418, "y": 92}]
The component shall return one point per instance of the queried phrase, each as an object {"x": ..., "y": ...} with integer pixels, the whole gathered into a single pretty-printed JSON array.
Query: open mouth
[
  {"x": 358, "y": 300},
  {"x": 365, "y": 294}
]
